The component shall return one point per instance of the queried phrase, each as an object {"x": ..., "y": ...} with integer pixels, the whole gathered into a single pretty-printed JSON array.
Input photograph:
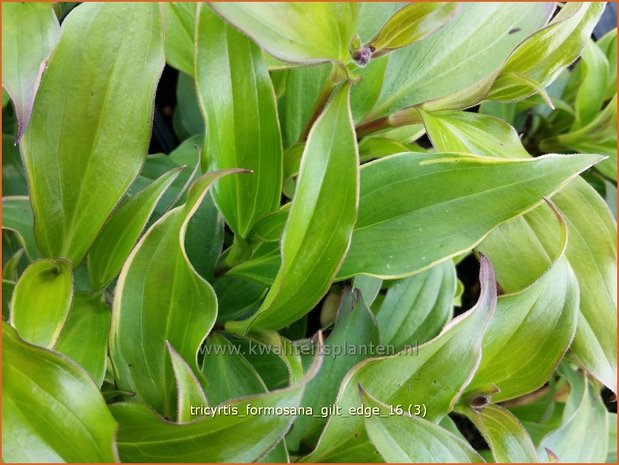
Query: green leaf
[
  {"x": 204, "y": 239},
  {"x": 583, "y": 435},
  {"x": 262, "y": 266},
  {"x": 541, "y": 57},
  {"x": 542, "y": 315},
  {"x": 355, "y": 331},
  {"x": 186, "y": 156},
  {"x": 17, "y": 217},
  {"x": 410, "y": 24},
  {"x": 506, "y": 437},
  {"x": 77, "y": 132},
  {"x": 378, "y": 147},
  {"x": 237, "y": 297},
  {"x": 227, "y": 372},
  {"x": 591, "y": 250},
  {"x": 591, "y": 92},
  {"x": 41, "y": 301},
  {"x": 600, "y": 134},
  {"x": 30, "y": 32},
  {"x": 525, "y": 247},
  {"x": 425, "y": 70},
  {"x": 8, "y": 287},
  {"x": 469, "y": 132},
  {"x": 190, "y": 392},
  {"x": 160, "y": 297},
  {"x": 608, "y": 45},
  {"x": 303, "y": 88},
  {"x": 411, "y": 439},
  {"x": 431, "y": 376},
  {"x": 416, "y": 308},
  {"x": 122, "y": 230},
  {"x": 85, "y": 333},
  {"x": 235, "y": 93},
  {"x": 51, "y": 409},
  {"x": 406, "y": 225},
  {"x": 10, "y": 268},
  {"x": 592, "y": 253},
  {"x": 229, "y": 376},
  {"x": 324, "y": 209},
  {"x": 225, "y": 437},
  {"x": 369, "y": 286},
  {"x": 372, "y": 16},
  {"x": 180, "y": 18},
  {"x": 283, "y": 30},
  {"x": 612, "y": 438}
]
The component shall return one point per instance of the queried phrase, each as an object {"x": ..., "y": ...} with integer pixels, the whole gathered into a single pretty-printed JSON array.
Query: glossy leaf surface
[
  {"x": 85, "y": 333},
  {"x": 41, "y": 301},
  {"x": 144, "y": 436},
  {"x": 410, "y": 439},
  {"x": 51, "y": 409},
  {"x": 235, "y": 93},
  {"x": 282, "y": 29},
  {"x": 160, "y": 297},
  {"x": 324, "y": 209},
  {"x": 78, "y": 132},
  {"x": 30, "y": 32},
  {"x": 121, "y": 231},
  {"x": 508, "y": 440},
  {"x": 411, "y": 377},
  {"x": 423, "y": 225}
]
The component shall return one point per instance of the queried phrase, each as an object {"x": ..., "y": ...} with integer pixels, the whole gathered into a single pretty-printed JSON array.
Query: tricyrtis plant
[{"x": 353, "y": 246}]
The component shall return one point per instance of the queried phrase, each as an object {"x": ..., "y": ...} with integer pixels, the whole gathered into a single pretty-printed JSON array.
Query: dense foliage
[{"x": 387, "y": 232}]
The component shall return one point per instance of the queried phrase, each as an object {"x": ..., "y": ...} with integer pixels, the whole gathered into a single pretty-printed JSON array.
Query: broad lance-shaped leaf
[
  {"x": 17, "y": 217},
  {"x": 238, "y": 102},
  {"x": 190, "y": 393},
  {"x": 416, "y": 308},
  {"x": 41, "y": 301},
  {"x": 180, "y": 18},
  {"x": 508, "y": 440},
  {"x": 583, "y": 434},
  {"x": 411, "y": 439},
  {"x": 227, "y": 436},
  {"x": 121, "y": 231},
  {"x": 534, "y": 64},
  {"x": 411, "y": 23},
  {"x": 160, "y": 297},
  {"x": 592, "y": 253},
  {"x": 406, "y": 225},
  {"x": 541, "y": 57},
  {"x": 228, "y": 376},
  {"x": 425, "y": 70},
  {"x": 464, "y": 131},
  {"x": 30, "y": 32},
  {"x": 85, "y": 334},
  {"x": 320, "y": 222},
  {"x": 529, "y": 333},
  {"x": 434, "y": 374},
  {"x": 51, "y": 409},
  {"x": 355, "y": 328},
  {"x": 283, "y": 30},
  {"x": 86, "y": 143},
  {"x": 591, "y": 249}
]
